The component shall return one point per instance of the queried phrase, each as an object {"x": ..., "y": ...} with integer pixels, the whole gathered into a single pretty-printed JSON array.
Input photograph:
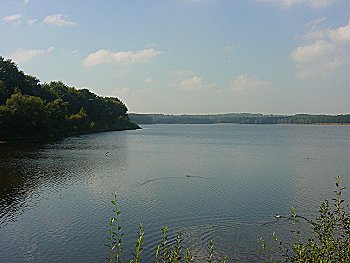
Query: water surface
[{"x": 220, "y": 182}]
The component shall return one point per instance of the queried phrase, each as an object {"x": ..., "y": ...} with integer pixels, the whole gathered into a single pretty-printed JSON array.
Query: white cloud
[
  {"x": 16, "y": 18},
  {"x": 244, "y": 82},
  {"x": 99, "y": 57},
  {"x": 22, "y": 55},
  {"x": 31, "y": 22},
  {"x": 340, "y": 35},
  {"x": 58, "y": 20},
  {"x": 328, "y": 50},
  {"x": 103, "y": 56},
  {"x": 194, "y": 83},
  {"x": 313, "y": 51},
  {"x": 313, "y": 31},
  {"x": 312, "y": 70},
  {"x": 290, "y": 3},
  {"x": 50, "y": 49},
  {"x": 315, "y": 23},
  {"x": 131, "y": 57},
  {"x": 25, "y": 1},
  {"x": 148, "y": 80},
  {"x": 313, "y": 35},
  {"x": 185, "y": 80}
]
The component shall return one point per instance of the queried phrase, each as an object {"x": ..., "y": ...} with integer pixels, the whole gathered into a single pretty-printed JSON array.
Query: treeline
[
  {"x": 31, "y": 111},
  {"x": 240, "y": 118}
]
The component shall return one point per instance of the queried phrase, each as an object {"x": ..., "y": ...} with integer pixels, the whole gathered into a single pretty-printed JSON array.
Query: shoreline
[{"x": 67, "y": 136}]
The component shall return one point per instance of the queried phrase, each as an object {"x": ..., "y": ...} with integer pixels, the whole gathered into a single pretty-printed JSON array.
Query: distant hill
[
  {"x": 31, "y": 111},
  {"x": 241, "y": 118}
]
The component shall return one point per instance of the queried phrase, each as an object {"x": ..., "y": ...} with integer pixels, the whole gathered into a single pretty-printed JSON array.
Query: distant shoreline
[
  {"x": 234, "y": 123},
  {"x": 331, "y": 124},
  {"x": 241, "y": 118}
]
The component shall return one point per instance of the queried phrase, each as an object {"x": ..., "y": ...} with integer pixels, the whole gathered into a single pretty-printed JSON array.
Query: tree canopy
[{"x": 31, "y": 111}]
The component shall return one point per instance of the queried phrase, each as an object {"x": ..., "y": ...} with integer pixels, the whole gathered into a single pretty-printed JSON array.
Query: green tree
[
  {"x": 10, "y": 75},
  {"x": 3, "y": 93},
  {"x": 27, "y": 116},
  {"x": 32, "y": 111}
]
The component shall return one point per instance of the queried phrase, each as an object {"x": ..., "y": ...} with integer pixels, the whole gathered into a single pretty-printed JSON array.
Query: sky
[{"x": 188, "y": 56}]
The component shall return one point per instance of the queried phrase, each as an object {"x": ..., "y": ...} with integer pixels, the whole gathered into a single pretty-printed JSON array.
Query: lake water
[{"x": 220, "y": 182}]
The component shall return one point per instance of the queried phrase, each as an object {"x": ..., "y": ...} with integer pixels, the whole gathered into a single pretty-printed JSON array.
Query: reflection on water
[
  {"x": 209, "y": 181},
  {"x": 16, "y": 183}
]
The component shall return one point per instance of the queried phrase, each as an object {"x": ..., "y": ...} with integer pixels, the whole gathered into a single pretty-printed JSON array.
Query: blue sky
[{"x": 188, "y": 56}]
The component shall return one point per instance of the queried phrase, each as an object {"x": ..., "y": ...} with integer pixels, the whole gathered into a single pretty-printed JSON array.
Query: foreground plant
[
  {"x": 163, "y": 254},
  {"x": 115, "y": 234},
  {"x": 330, "y": 241}
]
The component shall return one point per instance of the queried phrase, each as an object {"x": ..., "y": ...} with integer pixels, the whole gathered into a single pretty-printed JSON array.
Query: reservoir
[{"x": 223, "y": 182}]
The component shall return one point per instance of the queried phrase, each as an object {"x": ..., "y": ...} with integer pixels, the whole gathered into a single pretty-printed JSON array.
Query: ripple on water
[{"x": 56, "y": 203}]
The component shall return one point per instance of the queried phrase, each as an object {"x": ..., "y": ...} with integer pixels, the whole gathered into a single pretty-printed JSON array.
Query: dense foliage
[
  {"x": 241, "y": 118},
  {"x": 31, "y": 111}
]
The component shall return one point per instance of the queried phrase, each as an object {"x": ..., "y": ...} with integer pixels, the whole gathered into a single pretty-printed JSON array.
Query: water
[{"x": 220, "y": 182}]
